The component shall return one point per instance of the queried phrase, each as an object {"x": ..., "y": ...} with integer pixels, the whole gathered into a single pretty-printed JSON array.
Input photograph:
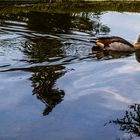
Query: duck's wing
[{"x": 111, "y": 39}]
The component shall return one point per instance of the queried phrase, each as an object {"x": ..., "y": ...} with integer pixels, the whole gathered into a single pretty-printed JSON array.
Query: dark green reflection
[
  {"x": 42, "y": 49},
  {"x": 130, "y": 122},
  {"x": 43, "y": 82},
  {"x": 52, "y": 23},
  {"x": 64, "y": 23},
  {"x": 47, "y": 22},
  {"x": 89, "y": 22}
]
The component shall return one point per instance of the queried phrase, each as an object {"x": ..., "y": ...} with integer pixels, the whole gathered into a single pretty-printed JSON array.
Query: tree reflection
[
  {"x": 49, "y": 49},
  {"x": 89, "y": 22},
  {"x": 64, "y": 23},
  {"x": 42, "y": 49},
  {"x": 49, "y": 22},
  {"x": 130, "y": 123},
  {"x": 43, "y": 83},
  {"x": 44, "y": 22}
]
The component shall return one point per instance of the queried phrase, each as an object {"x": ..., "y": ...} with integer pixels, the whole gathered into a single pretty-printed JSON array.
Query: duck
[{"x": 115, "y": 43}]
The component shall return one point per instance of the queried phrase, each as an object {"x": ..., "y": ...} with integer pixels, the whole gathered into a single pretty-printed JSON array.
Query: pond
[{"x": 53, "y": 87}]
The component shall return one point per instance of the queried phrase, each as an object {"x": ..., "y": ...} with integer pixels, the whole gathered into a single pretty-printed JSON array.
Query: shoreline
[{"x": 70, "y": 6}]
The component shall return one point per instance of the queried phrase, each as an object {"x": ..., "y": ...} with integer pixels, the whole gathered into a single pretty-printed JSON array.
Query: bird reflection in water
[
  {"x": 130, "y": 122},
  {"x": 43, "y": 83},
  {"x": 109, "y": 54}
]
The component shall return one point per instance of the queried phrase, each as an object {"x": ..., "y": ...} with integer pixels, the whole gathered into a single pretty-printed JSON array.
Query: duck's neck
[
  {"x": 137, "y": 42},
  {"x": 138, "y": 39}
]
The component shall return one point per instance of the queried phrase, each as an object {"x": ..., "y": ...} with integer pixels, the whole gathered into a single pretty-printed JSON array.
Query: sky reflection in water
[{"x": 76, "y": 92}]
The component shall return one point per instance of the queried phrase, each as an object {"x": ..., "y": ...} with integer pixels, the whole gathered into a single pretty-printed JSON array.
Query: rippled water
[{"x": 53, "y": 87}]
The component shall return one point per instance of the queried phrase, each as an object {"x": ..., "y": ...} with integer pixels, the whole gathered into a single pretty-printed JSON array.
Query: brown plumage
[{"x": 115, "y": 43}]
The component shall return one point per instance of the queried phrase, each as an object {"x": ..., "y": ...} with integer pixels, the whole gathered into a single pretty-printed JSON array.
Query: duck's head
[
  {"x": 138, "y": 38},
  {"x": 137, "y": 42}
]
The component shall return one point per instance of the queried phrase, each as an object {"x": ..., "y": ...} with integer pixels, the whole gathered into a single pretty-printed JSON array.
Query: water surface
[{"x": 54, "y": 87}]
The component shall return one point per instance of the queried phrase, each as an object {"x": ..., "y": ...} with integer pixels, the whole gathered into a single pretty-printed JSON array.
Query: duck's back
[{"x": 116, "y": 43}]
